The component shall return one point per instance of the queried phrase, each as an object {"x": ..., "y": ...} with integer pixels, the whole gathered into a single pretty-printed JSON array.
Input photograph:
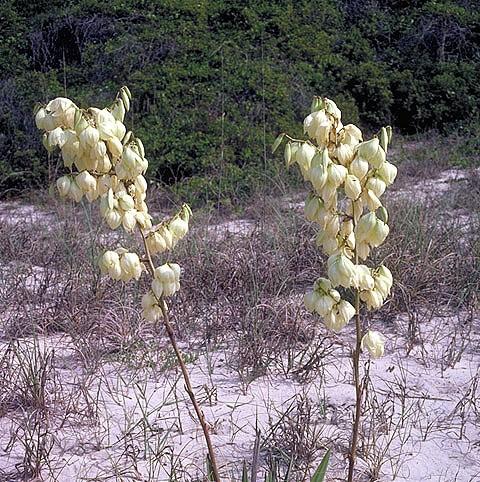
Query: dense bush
[{"x": 212, "y": 78}]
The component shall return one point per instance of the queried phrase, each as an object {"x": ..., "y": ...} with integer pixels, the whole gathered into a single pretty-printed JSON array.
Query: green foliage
[{"x": 215, "y": 80}]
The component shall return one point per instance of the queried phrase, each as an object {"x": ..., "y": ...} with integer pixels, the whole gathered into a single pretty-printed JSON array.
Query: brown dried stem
[{"x": 188, "y": 386}]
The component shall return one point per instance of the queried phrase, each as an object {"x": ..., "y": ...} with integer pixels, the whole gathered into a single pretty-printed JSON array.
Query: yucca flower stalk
[
  {"x": 105, "y": 163},
  {"x": 348, "y": 177}
]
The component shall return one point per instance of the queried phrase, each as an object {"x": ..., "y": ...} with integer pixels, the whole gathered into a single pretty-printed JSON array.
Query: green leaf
[
  {"x": 244, "y": 472},
  {"x": 277, "y": 142},
  {"x": 319, "y": 475},
  {"x": 382, "y": 214}
]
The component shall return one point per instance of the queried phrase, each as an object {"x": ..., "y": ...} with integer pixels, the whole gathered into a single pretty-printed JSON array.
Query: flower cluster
[
  {"x": 121, "y": 265},
  {"x": 166, "y": 282},
  {"x": 166, "y": 235},
  {"x": 348, "y": 177},
  {"x": 110, "y": 162},
  {"x": 107, "y": 163}
]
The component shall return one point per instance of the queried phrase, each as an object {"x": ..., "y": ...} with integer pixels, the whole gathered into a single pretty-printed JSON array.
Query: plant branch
[
  {"x": 186, "y": 377},
  {"x": 356, "y": 375}
]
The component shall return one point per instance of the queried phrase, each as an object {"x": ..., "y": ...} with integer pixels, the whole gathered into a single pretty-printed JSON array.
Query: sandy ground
[
  {"x": 126, "y": 420},
  {"x": 423, "y": 414}
]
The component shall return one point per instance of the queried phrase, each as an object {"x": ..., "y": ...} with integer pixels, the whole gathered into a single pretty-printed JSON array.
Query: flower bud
[
  {"x": 118, "y": 110},
  {"x": 374, "y": 342},
  {"x": 288, "y": 154}
]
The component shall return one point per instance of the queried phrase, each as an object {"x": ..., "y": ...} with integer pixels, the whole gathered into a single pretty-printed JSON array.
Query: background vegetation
[{"x": 215, "y": 80}]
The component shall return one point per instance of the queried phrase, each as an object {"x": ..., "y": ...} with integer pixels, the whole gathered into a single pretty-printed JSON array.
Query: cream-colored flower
[
  {"x": 376, "y": 185},
  {"x": 113, "y": 218},
  {"x": 63, "y": 185},
  {"x": 310, "y": 300},
  {"x": 178, "y": 227},
  {"x": 372, "y": 152},
  {"x": 75, "y": 192},
  {"x": 353, "y": 187},
  {"x": 341, "y": 270},
  {"x": 344, "y": 153},
  {"x": 129, "y": 220},
  {"x": 86, "y": 182},
  {"x": 317, "y": 126},
  {"x": 352, "y": 135},
  {"x": 109, "y": 263},
  {"x": 374, "y": 342},
  {"x": 156, "y": 243},
  {"x": 359, "y": 167},
  {"x": 387, "y": 172},
  {"x": 363, "y": 278},
  {"x": 89, "y": 137},
  {"x": 131, "y": 266}
]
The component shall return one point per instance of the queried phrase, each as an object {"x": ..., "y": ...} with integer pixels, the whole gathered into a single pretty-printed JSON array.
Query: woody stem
[{"x": 186, "y": 377}]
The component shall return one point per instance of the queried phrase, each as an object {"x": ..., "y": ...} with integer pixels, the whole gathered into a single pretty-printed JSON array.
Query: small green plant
[
  {"x": 348, "y": 176},
  {"x": 107, "y": 163}
]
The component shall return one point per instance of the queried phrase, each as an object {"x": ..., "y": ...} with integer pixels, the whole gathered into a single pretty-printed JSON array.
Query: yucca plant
[{"x": 348, "y": 176}]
